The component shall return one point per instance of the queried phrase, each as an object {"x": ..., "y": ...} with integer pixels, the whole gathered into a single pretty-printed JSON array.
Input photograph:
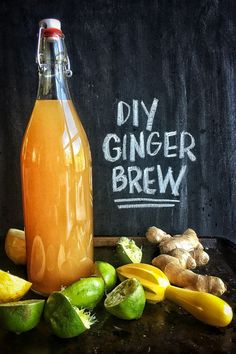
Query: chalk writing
[
  {"x": 122, "y": 119},
  {"x": 131, "y": 145},
  {"x": 148, "y": 145}
]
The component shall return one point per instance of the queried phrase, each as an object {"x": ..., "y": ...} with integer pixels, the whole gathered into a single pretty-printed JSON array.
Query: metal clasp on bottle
[
  {"x": 39, "y": 59},
  {"x": 42, "y": 66},
  {"x": 69, "y": 72}
]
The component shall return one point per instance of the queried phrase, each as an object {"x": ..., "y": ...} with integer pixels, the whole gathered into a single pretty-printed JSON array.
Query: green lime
[
  {"x": 64, "y": 319},
  {"x": 127, "y": 300},
  {"x": 21, "y": 316},
  {"x": 128, "y": 251},
  {"x": 107, "y": 272},
  {"x": 86, "y": 292}
]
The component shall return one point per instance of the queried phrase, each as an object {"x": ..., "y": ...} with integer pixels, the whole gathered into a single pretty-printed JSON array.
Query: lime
[
  {"x": 86, "y": 292},
  {"x": 21, "y": 316},
  {"x": 107, "y": 272},
  {"x": 15, "y": 247},
  {"x": 127, "y": 300},
  {"x": 64, "y": 319},
  {"x": 12, "y": 288},
  {"x": 128, "y": 251}
]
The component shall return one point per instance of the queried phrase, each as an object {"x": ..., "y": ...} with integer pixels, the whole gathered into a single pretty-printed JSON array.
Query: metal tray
[{"x": 163, "y": 328}]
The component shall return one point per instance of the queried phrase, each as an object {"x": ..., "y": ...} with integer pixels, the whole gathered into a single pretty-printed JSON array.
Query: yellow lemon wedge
[
  {"x": 15, "y": 247},
  {"x": 12, "y": 288}
]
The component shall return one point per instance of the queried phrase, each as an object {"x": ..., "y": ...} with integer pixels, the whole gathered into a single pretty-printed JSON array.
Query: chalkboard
[{"x": 154, "y": 83}]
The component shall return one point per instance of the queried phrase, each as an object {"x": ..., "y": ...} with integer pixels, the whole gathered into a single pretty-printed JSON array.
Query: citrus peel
[{"x": 12, "y": 288}]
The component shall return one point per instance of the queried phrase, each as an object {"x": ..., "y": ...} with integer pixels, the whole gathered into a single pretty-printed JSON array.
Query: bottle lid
[
  {"x": 50, "y": 23},
  {"x": 50, "y": 27}
]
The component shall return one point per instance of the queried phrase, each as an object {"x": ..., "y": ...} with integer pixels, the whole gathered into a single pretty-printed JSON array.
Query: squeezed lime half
[
  {"x": 127, "y": 300},
  {"x": 64, "y": 319},
  {"x": 127, "y": 251}
]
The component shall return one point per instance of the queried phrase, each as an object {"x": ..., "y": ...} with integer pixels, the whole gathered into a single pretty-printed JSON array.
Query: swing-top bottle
[{"x": 56, "y": 175}]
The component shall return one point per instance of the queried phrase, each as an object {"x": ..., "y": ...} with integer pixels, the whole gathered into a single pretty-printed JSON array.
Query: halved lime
[
  {"x": 128, "y": 251},
  {"x": 64, "y": 319},
  {"x": 12, "y": 288},
  {"x": 127, "y": 300},
  {"x": 86, "y": 292},
  {"x": 21, "y": 316},
  {"x": 107, "y": 272}
]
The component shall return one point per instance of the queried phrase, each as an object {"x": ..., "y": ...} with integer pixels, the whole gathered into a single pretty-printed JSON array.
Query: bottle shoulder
[
  {"x": 57, "y": 111},
  {"x": 55, "y": 120}
]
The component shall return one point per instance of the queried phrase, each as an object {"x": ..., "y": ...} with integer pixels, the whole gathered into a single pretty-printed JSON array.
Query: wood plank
[{"x": 110, "y": 241}]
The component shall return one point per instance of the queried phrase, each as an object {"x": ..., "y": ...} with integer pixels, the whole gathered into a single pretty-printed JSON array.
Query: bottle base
[{"x": 40, "y": 293}]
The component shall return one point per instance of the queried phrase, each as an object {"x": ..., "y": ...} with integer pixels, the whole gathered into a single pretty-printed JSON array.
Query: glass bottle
[{"x": 56, "y": 175}]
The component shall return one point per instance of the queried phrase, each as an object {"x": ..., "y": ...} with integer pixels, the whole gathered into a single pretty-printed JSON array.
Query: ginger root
[
  {"x": 187, "y": 241},
  {"x": 155, "y": 235},
  {"x": 181, "y": 253},
  {"x": 184, "y": 257},
  {"x": 185, "y": 278},
  {"x": 191, "y": 254},
  {"x": 200, "y": 256}
]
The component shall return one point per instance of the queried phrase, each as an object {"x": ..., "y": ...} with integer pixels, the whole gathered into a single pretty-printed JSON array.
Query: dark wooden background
[{"x": 181, "y": 52}]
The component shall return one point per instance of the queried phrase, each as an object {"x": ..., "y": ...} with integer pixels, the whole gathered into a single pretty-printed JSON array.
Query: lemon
[
  {"x": 21, "y": 316},
  {"x": 86, "y": 292},
  {"x": 127, "y": 251},
  {"x": 127, "y": 300},
  {"x": 12, "y": 288},
  {"x": 15, "y": 247},
  {"x": 107, "y": 272},
  {"x": 64, "y": 319}
]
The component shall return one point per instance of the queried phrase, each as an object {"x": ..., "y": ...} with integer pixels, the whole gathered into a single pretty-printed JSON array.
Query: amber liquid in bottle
[{"x": 56, "y": 182}]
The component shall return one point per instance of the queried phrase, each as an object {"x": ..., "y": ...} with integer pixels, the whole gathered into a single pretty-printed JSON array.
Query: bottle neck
[
  {"x": 53, "y": 69},
  {"x": 53, "y": 85}
]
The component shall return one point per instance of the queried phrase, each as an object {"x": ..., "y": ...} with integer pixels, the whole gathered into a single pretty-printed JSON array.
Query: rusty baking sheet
[{"x": 163, "y": 328}]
